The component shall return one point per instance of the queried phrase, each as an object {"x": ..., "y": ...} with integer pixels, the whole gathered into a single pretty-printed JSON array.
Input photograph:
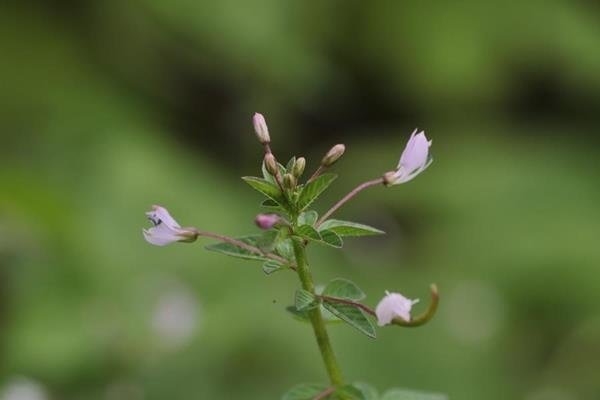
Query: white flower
[
  {"x": 414, "y": 160},
  {"x": 392, "y": 306},
  {"x": 166, "y": 230}
]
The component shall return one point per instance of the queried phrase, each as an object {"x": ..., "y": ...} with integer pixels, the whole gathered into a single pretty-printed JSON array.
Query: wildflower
[
  {"x": 166, "y": 230},
  {"x": 333, "y": 155},
  {"x": 266, "y": 221},
  {"x": 261, "y": 129},
  {"x": 414, "y": 160},
  {"x": 392, "y": 306}
]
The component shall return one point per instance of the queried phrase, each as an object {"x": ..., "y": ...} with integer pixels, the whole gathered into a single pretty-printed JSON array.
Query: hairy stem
[
  {"x": 316, "y": 174},
  {"x": 348, "y": 197},
  {"x": 245, "y": 246},
  {"x": 316, "y": 318}
]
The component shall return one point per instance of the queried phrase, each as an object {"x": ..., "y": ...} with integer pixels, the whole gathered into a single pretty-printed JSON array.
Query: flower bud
[
  {"x": 289, "y": 181},
  {"x": 271, "y": 164},
  {"x": 333, "y": 155},
  {"x": 266, "y": 221},
  {"x": 298, "y": 168},
  {"x": 261, "y": 129}
]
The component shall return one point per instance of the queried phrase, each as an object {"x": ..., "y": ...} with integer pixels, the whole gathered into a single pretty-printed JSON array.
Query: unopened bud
[
  {"x": 333, "y": 155},
  {"x": 289, "y": 181},
  {"x": 266, "y": 221},
  {"x": 271, "y": 164},
  {"x": 298, "y": 168},
  {"x": 261, "y": 129}
]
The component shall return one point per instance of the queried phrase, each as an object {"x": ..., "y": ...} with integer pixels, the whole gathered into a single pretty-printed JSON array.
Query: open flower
[
  {"x": 414, "y": 160},
  {"x": 392, "y": 306},
  {"x": 166, "y": 230}
]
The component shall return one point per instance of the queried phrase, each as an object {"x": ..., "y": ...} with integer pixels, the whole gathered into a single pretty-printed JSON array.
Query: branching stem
[
  {"x": 348, "y": 197},
  {"x": 245, "y": 246}
]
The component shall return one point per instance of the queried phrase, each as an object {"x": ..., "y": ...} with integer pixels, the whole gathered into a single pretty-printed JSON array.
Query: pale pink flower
[
  {"x": 261, "y": 129},
  {"x": 414, "y": 160},
  {"x": 266, "y": 221},
  {"x": 166, "y": 230},
  {"x": 392, "y": 306}
]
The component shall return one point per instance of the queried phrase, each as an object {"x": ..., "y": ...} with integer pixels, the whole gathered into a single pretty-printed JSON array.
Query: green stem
[{"x": 316, "y": 318}]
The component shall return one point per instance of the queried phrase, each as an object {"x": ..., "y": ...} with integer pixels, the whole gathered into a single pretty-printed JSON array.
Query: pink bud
[
  {"x": 266, "y": 221},
  {"x": 261, "y": 129}
]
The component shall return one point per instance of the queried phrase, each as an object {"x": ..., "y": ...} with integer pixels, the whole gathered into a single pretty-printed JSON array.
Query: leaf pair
[{"x": 338, "y": 289}]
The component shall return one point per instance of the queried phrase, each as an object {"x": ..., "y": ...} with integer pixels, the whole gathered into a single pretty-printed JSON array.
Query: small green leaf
[
  {"x": 290, "y": 164},
  {"x": 343, "y": 289},
  {"x": 331, "y": 238},
  {"x": 271, "y": 205},
  {"x": 304, "y": 391},
  {"x": 304, "y": 300},
  {"x": 285, "y": 249},
  {"x": 271, "y": 266},
  {"x": 308, "y": 218},
  {"x": 347, "y": 228},
  {"x": 308, "y": 232},
  {"x": 267, "y": 188},
  {"x": 350, "y": 392},
  {"x": 403, "y": 394},
  {"x": 234, "y": 251},
  {"x": 303, "y": 315},
  {"x": 268, "y": 240},
  {"x": 368, "y": 391},
  {"x": 313, "y": 189},
  {"x": 352, "y": 315}
]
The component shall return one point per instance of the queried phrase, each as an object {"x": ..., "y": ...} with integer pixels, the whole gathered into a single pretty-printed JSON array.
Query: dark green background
[{"x": 107, "y": 107}]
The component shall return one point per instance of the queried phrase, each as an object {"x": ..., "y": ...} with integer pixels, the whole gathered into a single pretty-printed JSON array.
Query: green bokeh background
[{"x": 107, "y": 107}]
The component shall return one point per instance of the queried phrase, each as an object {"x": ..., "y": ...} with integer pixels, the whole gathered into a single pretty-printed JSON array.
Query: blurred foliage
[{"x": 107, "y": 107}]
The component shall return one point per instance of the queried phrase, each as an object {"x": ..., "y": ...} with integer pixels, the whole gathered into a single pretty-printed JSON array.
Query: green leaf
[
  {"x": 343, "y": 289},
  {"x": 268, "y": 240},
  {"x": 368, "y": 391},
  {"x": 272, "y": 205},
  {"x": 271, "y": 266},
  {"x": 349, "y": 392},
  {"x": 304, "y": 300},
  {"x": 347, "y": 228},
  {"x": 304, "y": 391},
  {"x": 403, "y": 394},
  {"x": 308, "y": 232},
  {"x": 331, "y": 238},
  {"x": 285, "y": 249},
  {"x": 352, "y": 315},
  {"x": 290, "y": 164},
  {"x": 313, "y": 189},
  {"x": 267, "y": 188},
  {"x": 308, "y": 218},
  {"x": 234, "y": 251},
  {"x": 303, "y": 315}
]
